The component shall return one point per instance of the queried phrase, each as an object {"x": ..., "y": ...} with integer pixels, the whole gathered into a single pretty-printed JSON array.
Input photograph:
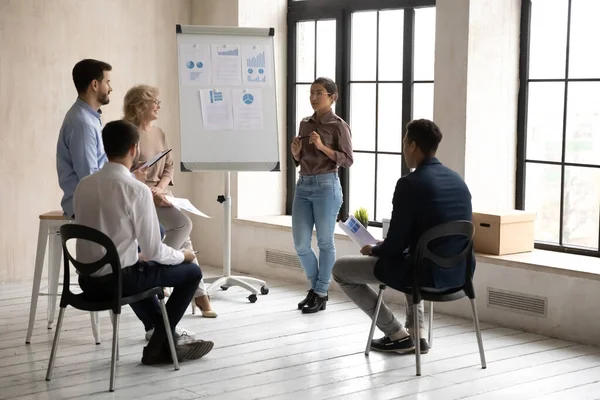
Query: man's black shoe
[
  {"x": 424, "y": 348},
  {"x": 185, "y": 352},
  {"x": 385, "y": 344}
]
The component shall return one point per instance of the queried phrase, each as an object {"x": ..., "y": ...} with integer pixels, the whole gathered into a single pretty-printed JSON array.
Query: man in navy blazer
[{"x": 429, "y": 196}]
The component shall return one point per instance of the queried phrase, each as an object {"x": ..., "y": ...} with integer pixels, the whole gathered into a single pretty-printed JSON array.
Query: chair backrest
[
  {"x": 423, "y": 251},
  {"x": 111, "y": 257},
  {"x": 453, "y": 228}
]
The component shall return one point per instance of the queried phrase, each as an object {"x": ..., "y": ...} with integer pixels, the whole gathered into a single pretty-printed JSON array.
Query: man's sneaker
[
  {"x": 179, "y": 332},
  {"x": 424, "y": 346},
  {"x": 385, "y": 344},
  {"x": 185, "y": 352}
]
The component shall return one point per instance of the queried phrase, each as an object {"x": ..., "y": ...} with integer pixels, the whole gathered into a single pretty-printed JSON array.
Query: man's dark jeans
[{"x": 183, "y": 278}]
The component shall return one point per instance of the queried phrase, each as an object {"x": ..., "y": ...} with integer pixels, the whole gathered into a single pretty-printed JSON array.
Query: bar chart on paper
[{"x": 256, "y": 64}]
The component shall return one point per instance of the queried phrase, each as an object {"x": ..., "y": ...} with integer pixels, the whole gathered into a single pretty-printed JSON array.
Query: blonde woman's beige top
[{"x": 152, "y": 143}]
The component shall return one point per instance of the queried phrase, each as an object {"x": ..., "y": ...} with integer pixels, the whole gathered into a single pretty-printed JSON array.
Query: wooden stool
[{"x": 50, "y": 224}]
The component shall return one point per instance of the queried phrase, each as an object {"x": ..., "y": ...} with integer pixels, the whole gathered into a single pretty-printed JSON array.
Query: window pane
[
  {"x": 582, "y": 207},
  {"x": 391, "y": 34},
  {"x": 362, "y": 115},
  {"x": 584, "y": 62},
  {"x": 424, "y": 44},
  {"x": 389, "y": 128},
  {"x": 364, "y": 41},
  {"x": 326, "y": 38},
  {"x": 362, "y": 183},
  {"x": 305, "y": 51},
  {"x": 548, "y": 41},
  {"x": 545, "y": 111},
  {"x": 389, "y": 170},
  {"x": 423, "y": 101},
  {"x": 542, "y": 195},
  {"x": 303, "y": 107},
  {"x": 583, "y": 123}
]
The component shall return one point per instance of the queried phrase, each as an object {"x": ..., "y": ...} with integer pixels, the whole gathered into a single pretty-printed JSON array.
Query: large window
[
  {"x": 381, "y": 55},
  {"x": 559, "y": 123}
]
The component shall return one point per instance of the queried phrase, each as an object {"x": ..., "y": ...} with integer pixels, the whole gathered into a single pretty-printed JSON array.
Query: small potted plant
[{"x": 362, "y": 215}]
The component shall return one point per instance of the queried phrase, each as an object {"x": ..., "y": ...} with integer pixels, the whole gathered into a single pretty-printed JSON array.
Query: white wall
[
  {"x": 475, "y": 95},
  {"x": 41, "y": 42}
]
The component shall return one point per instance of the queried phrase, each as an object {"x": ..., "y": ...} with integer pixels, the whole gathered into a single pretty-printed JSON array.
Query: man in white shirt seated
[{"x": 121, "y": 207}]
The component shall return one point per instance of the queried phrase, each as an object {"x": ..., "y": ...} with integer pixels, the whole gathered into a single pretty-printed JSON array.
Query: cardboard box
[{"x": 506, "y": 232}]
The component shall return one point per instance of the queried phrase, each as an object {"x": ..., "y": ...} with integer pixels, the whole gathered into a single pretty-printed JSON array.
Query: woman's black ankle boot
[
  {"x": 317, "y": 303},
  {"x": 311, "y": 293}
]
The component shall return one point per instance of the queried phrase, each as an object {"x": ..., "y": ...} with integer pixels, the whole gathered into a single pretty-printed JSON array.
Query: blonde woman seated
[{"x": 141, "y": 108}]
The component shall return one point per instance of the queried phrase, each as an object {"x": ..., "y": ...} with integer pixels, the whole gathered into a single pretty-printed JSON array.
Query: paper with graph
[
  {"x": 256, "y": 68},
  {"x": 216, "y": 109},
  {"x": 226, "y": 64},
  {"x": 194, "y": 64},
  {"x": 247, "y": 109},
  {"x": 357, "y": 232}
]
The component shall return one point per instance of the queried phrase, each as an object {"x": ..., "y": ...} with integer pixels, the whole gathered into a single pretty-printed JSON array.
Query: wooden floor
[{"x": 270, "y": 350}]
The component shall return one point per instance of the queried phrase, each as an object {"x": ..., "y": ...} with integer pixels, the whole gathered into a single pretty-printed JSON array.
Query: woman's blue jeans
[{"x": 317, "y": 201}]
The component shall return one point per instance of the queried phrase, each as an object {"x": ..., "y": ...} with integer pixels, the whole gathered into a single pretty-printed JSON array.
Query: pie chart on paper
[{"x": 248, "y": 98}]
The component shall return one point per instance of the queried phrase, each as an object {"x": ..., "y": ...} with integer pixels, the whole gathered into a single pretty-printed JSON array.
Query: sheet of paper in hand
[
  {"x": 357, "y": 232},
  {"x": 185, "y": 204}
]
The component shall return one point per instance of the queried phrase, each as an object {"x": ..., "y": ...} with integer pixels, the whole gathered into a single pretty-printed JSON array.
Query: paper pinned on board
[
  {"x": 357, "y": 232},
  {"x": 217, "y": 113},
  {"x": 194, "y": 64},
  {"x": 185, "y": 204}
]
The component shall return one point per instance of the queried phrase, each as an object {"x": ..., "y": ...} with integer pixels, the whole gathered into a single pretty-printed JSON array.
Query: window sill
[{"x": 538, "y": 260}]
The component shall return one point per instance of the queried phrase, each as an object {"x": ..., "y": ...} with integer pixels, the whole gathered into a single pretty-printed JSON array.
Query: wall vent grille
[
  {"x": 278, "y": 257},
  {"x": 517, "y": 302}
]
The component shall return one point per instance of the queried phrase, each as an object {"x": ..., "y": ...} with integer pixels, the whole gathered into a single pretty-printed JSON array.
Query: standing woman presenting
[{"x": 322, "y": 146}]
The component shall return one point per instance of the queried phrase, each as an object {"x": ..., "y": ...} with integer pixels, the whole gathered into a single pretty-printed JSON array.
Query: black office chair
[
  {"x": 422, "y": 253},
  {"x": 113, "y": 303}
]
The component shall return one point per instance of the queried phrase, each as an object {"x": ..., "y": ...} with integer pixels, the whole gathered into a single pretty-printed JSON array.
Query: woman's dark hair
[
  {"x": 426, "y": 135},
  {"x": 118, "y": 137},
  {"x": 328, "y": 83}
]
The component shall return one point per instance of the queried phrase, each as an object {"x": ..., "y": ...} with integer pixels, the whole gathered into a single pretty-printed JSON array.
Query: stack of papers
[{"x": 357, "y": 232}]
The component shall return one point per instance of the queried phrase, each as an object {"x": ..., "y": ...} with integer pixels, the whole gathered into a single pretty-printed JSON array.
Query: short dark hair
[
  {"x": 426, "y": 135},
  {"x": 118, "y": 137},
  {"x": 328, "y": 83},
  {"x": 85, "y": 71}
]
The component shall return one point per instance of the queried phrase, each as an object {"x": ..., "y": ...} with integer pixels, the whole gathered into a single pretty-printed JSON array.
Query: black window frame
[
  {"x": 522, "y": 161},
  {"x": 341, "y": 11}
]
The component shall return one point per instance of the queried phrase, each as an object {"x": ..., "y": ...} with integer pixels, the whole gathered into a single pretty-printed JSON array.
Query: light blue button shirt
[{"x": 79, "y": 151}]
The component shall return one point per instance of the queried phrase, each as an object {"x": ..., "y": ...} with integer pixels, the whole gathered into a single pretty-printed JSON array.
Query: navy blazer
[{"x": 429, "y": 196}]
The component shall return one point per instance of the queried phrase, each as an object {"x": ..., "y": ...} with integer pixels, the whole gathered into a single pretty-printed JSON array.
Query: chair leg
[
  {"x": 417, "y": 337},
  {"x": 112, "y": 321},
  {"x": 193, "y": 303},
  {"x": 478, "y": 333},
  {"x": 430, "y": 332},
  {"x": 54, "y": 257},
  {"x": 115, "y": 345},
  {"x": 61, "y": 315},
  {"x": 95, "y": 326},
  {"x": 374, "y": 322},
  {"x": 163, "y": 310},
  {"x": 37, "y": 276}
]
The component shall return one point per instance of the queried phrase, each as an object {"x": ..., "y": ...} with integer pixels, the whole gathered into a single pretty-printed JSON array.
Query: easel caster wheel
[
  {"x": 264, "y": 290},
  {"x": 224, "y": 287},
  {"x": 252, "y": 298}
]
